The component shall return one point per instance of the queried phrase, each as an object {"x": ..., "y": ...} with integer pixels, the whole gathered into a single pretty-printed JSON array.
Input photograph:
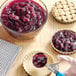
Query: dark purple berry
[{"x": 28, "y": 16}]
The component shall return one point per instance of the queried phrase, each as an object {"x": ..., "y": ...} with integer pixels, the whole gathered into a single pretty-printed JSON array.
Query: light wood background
[{"x": 41, "y": 42}]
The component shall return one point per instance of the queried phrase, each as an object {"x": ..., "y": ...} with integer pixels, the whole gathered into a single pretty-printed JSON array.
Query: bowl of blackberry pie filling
[
  {"x": 64, "y": 41},
  {"x": 24, "y": 18}
]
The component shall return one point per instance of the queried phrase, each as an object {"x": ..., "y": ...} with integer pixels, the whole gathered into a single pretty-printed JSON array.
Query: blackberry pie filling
[
  {"x": 64, "y": 41},
  {"x": 39, "y": 60}
]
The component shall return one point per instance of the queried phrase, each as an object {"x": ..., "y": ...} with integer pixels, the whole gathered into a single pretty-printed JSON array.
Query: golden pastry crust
[{"x": 64, "y": 11}]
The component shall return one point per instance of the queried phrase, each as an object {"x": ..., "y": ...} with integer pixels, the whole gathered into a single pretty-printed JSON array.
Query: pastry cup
[
  {"x": 59, "y": 51},
  {"x": 34, "y": 71}
]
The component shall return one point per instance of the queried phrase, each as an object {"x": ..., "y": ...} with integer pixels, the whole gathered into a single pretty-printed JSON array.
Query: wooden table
[{"x": 41, "y": 42}]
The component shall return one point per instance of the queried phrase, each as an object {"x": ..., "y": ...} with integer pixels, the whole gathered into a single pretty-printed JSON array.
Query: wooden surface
[{"x": 41, "y": 42}]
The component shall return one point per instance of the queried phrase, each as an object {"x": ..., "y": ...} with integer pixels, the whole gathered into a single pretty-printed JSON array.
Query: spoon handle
[{"x": 59, "y": 74}]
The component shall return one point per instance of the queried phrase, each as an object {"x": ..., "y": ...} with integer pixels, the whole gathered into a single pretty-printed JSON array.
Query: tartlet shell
[{"x": 38, "y": 52}]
